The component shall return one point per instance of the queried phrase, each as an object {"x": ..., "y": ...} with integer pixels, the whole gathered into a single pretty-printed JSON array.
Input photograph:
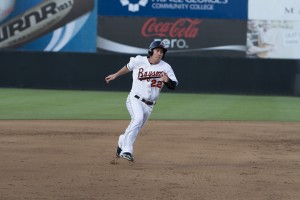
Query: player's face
[{"x": 157, "y": 54}]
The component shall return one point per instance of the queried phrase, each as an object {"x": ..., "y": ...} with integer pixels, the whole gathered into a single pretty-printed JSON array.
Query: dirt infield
[{"x": 177, "y": 160}]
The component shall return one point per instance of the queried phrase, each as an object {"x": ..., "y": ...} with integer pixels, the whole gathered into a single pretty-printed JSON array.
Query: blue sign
[
  {"x": 52, "y": 25},
  {"x": 222, "y": 9}
]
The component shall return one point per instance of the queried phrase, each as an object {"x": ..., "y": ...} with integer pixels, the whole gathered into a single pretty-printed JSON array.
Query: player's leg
[
  {"x": 120, "y": 144},
  {"x": 136, "y": 111},
  {"x": 147, "y": 113}
]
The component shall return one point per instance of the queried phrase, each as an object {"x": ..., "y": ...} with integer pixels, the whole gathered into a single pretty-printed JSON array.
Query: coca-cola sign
[
  {"x": 181, "y": 28},
  {"x": 182, "y": 36}
]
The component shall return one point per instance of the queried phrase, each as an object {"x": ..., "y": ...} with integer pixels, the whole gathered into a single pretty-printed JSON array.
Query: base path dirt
[{"x": 174, "y": 160}]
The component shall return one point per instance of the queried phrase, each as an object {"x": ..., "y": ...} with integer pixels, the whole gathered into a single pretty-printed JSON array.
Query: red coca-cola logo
[{"x": 181, "y": 28}]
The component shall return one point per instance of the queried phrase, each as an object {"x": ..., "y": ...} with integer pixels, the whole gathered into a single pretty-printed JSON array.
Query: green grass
[{"x": 65, "y": 104}]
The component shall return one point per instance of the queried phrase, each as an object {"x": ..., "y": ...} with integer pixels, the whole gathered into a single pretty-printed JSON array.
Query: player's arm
[
  {"x": 168, "y": 82},
  {"x": 122, "y": 71}
]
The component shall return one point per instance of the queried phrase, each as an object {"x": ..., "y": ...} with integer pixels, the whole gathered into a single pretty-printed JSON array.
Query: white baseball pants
[{"x": 140, "y": 113}]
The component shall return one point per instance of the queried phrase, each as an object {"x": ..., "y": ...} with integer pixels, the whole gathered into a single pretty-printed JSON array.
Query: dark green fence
[{"x": 195, "y": 74}]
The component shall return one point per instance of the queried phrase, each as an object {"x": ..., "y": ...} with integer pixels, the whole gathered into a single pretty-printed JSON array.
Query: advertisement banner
[
  {"x": 223, "y": 9},
  {"x": 52, "y": 25},
  {"x": 274, "y": 29},
  {"x": 273, "y": 39},
  {"x": 182, "y": 36},
  {"x": 274, "y": 10}
]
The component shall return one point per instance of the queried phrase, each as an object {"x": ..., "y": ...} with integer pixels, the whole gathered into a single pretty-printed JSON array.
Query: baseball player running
[{"x": 150, "y": 73}]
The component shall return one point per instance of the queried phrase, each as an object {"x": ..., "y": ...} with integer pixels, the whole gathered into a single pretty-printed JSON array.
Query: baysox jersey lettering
[{"x": 147, "y": 77}]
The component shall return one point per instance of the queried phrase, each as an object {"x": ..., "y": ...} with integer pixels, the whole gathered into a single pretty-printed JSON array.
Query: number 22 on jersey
[{"x": 155, "y": 83}]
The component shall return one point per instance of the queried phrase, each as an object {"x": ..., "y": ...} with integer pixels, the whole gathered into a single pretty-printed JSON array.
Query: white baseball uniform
[{"x": 146, "y": 87}]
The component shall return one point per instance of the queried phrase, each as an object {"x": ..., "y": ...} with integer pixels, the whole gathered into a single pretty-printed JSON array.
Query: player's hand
[
  {"x": 110, "y": 78},
  {"x": 164, "y": 77}
]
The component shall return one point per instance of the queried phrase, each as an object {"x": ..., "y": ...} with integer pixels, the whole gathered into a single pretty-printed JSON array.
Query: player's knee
[{"x": 138, "y": 120}]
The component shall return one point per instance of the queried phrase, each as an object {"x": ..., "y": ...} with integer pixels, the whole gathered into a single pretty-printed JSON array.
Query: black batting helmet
[{"x": 157, "y": 44}]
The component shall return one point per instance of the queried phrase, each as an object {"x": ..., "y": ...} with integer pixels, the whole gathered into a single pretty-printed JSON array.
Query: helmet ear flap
[{"x": 150, "y": 52}]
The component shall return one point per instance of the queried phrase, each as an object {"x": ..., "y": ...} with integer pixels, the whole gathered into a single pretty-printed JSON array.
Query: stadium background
[{"x": 96, "y": 49}]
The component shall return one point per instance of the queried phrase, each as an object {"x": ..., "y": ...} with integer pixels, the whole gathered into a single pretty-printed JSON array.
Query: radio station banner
[
  {"x": 182, "y": 36},
  {"x": 52, "y": 25},
  {"x": 224, "y": 9},
  {"x": 274, "y": 29}
]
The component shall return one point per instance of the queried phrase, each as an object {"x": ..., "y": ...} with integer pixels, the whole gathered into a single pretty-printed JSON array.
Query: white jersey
[{"x": 147, "y": 77}]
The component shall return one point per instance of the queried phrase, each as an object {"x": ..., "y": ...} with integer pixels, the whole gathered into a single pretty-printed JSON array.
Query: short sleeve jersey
[{"x": 147, "y": 77}]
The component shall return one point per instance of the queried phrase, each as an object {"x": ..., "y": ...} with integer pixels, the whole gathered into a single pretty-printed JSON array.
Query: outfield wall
[{"x": 86, "y": 71}]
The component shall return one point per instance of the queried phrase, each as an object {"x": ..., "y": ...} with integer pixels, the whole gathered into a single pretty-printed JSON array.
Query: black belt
[{"x": 149, "y": 103}]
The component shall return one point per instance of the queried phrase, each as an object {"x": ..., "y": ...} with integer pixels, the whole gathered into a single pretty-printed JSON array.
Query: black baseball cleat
[
  {"x": 119, "y": 150},
  {"x": 127, "y": 156}
]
